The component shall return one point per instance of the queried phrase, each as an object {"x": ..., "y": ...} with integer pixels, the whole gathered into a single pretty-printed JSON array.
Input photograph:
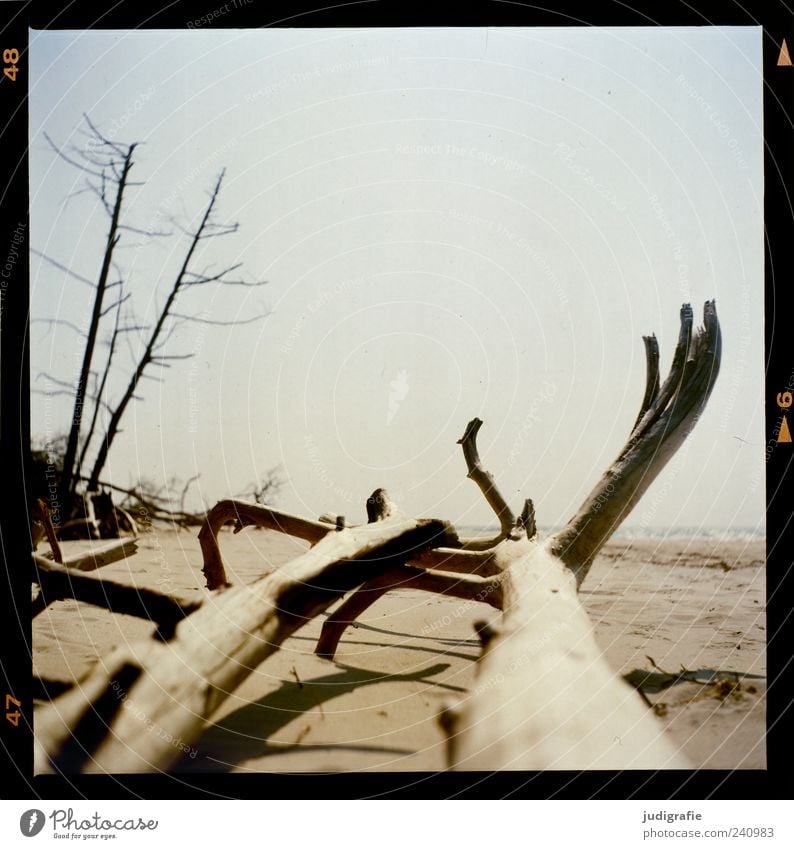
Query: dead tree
[
  {"x": 544, "y": 697},
  {"x": 168, "y": 320},
  {"x": 106, "y": 167}
]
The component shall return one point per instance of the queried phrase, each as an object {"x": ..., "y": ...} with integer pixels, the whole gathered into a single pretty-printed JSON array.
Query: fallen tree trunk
[
  {"x": 545, "y": 697},
  {"x": 139, "y": 710}
]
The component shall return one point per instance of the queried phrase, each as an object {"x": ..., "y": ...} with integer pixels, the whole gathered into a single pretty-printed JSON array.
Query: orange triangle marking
[
  {"x": 785, "y": 433},
  {"x": 784, "y": 59}
]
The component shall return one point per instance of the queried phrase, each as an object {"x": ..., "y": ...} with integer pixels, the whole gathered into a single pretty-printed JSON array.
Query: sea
[{"x": 628, "y": 532}]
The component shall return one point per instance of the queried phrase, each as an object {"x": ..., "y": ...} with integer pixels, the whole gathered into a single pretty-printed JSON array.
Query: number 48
[{"x": 10, "y": 58}]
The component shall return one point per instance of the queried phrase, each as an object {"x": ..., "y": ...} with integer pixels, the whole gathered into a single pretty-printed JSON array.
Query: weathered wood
[
  {"x": 95, "y": 554},
  {"x": 655, "y": 439},
  {"x": 402, "y": 578},
  {"x": 545, "y": 697},
  {"x": 58, "y": 582},
  {"x": 244, "y": 515},
  {"x": 485, "y": 481},
  {"x": 41, "y": 526},
  {"x": 139, "y": 710}
]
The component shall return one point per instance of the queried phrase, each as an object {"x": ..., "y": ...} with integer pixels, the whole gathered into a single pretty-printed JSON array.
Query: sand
[{"x": 685, "y": 603}]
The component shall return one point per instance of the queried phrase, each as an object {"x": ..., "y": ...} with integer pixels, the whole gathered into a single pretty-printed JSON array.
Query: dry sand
[{"x": 690, "y": 603}]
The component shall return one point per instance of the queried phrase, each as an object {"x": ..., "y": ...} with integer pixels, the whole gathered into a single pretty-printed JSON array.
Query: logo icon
[{"x": 31, "y": 822}]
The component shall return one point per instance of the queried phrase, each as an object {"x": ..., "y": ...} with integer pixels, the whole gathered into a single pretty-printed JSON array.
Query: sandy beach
[{"x": 684, "y": 603}]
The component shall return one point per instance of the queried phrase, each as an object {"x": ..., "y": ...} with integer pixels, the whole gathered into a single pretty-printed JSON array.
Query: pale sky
[{"x": 453, "y": 223}]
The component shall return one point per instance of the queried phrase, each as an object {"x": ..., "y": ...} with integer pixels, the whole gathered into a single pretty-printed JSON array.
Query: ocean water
[{"x": 749, "y": 534}]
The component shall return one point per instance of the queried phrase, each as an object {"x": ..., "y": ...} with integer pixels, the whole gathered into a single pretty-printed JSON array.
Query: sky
[{"x": 451, "y": 223}]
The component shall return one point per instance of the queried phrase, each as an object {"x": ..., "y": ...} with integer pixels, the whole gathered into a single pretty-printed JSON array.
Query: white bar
[{"x": 385, "y": 824}]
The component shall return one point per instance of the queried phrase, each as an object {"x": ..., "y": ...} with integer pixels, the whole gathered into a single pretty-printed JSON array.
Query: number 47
[{"x": 13, "y": 718}]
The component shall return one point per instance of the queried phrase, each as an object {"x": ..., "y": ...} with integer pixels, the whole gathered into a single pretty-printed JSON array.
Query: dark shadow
[
  {"x": 444, "y": 641},
  {"x": 46, "y": 689},
  {"x": 439, "y": 652},
  {"x": 243, "y": 734}
]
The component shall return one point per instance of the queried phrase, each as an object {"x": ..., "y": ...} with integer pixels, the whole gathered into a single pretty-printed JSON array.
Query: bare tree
[
  {"x": 106, "y": 167},
  {"x": 152, "y": 355}
]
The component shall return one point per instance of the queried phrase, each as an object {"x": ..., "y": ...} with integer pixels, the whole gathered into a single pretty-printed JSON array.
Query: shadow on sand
[{"x": 243, "y": 734}]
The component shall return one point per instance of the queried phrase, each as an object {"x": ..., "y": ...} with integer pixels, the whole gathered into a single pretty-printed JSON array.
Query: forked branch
[
  {"x": 485, "y": 481},
  {"x": 663, "y": 426}
]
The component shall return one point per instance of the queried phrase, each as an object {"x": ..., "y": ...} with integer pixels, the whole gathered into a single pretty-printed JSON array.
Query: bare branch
[
  {"x": 651, "y": 376},
  {"x": 71, "y": 161},
  {"x": 402, "y": 578},
  {"x": 657, "y": 436},
  {"x": 121, "y": 151},
  {"x": 139, "y": 231},
  {"x": 485, "y": 481},
  {"x": 219, "y": 322},
  {"x": 62, "y": 267},
  {"x": 115, "y": 304},
  {"x": 60, "y": 321},
  {"x": 242, "y": 515},
  {"x": 198, "y": 279}
]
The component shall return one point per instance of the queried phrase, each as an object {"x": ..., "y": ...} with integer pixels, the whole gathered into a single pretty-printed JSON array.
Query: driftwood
[
  {"x": 139, "y": 710},
  {"x": 544, "y": 697},
  {"x": 58, "y": 582}
]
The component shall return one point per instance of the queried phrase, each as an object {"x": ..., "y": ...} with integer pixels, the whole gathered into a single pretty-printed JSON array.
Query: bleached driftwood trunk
[
  {"x": 544, "y": 697},
  {"x": 145, "y": 702}
]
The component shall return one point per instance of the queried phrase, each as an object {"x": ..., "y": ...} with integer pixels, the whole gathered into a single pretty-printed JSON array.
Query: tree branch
[{"x": 486, "y": 483}]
